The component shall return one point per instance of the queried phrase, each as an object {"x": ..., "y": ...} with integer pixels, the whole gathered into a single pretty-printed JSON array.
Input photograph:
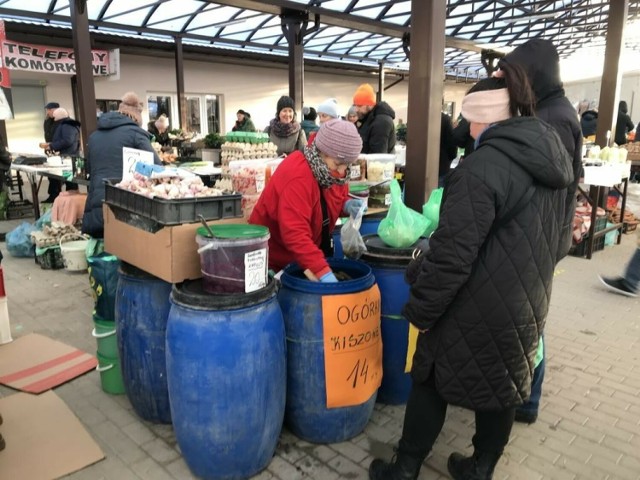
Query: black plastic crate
[
  {"x": 580, "y": 249},
  {"x": 50, "y": 259},
  {"x": 173, "y": 212}
]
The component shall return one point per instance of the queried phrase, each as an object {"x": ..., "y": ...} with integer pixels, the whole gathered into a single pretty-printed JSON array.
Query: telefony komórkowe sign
[{"x": 40, "y": 58}]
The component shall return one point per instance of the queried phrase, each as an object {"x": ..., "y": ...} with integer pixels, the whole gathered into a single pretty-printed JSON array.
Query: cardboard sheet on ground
[
  {"x": 44, "y": 438},
  {"x": 35, "y": 363}
]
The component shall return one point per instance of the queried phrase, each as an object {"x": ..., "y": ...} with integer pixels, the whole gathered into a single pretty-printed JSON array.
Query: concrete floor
[{"x": 589, "y": 424}]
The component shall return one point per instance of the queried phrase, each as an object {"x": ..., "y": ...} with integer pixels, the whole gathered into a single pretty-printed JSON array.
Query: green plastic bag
[
  {"x": 431, "y": 210},
  {"x": 402, "y": 226}
]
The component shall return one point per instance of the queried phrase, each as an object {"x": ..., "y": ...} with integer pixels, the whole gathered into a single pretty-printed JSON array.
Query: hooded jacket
[
  {"x": 483, "y": 288},
  {"x": 623, "y": 124},
  {"x": 104, "y": 161},
  {"x": 377, "y": 130},
  {"x": 589, "y": 123},
  {"x": 66, "y": 137},
  {"x": 540, "y": 60}
]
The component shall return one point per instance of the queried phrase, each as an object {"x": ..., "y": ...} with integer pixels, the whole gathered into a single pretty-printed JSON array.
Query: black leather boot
[
  {"x": 402, "y": 467},
  {"x": 479, "y": 466}
]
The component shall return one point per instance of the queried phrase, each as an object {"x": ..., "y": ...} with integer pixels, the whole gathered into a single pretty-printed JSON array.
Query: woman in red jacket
[{"x": 305, "y": 197}]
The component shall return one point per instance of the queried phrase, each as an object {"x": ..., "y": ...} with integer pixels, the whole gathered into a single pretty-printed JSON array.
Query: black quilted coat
[{"x": 483, "y": 287}]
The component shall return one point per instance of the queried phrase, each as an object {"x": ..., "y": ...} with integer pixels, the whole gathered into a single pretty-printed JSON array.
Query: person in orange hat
[{"x": 376, "y": 121}]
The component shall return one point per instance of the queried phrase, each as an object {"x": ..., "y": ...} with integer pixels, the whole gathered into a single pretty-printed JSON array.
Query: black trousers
[{"x": 425, "y": 414}]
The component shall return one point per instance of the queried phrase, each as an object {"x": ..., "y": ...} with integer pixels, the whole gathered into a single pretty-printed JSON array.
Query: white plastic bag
[{"x": 352, "y": 244}]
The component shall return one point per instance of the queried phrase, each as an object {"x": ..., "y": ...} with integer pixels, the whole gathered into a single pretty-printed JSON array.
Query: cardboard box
[{"x": 170, "y": 253}]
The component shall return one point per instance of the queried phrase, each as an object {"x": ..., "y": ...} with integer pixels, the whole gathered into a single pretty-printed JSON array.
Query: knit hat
[
  {"x": 352, "y": 111},
  {"x": 339, "y": 139},
  {"x": 162, "y": 120},
  {"x": 60, "y": 113},
  {"x": 309, "y": 113},
  {"x": 285, "y": 102},
  {"x": 364, "y": 95},
  {"x": 52, "y": 106},
  {"x": 131, "y": 106},
  {"x": 486, "y": 106},
  {"x": 329, "y": 107}
]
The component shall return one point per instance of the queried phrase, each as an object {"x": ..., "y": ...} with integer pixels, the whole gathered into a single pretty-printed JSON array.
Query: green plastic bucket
[
  {"x": 105, "y": 335},
  {"x": 110, "y": 374}
]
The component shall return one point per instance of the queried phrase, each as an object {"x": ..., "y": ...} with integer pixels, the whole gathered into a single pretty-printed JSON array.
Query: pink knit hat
[{"x": 339, "y": 139}]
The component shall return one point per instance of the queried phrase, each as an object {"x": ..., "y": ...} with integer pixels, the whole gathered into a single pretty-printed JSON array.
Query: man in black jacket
[
  {"x": 49, "y": 127},
  {"x": 540, "y": 60},
  {"x": 376, "y": 121}
]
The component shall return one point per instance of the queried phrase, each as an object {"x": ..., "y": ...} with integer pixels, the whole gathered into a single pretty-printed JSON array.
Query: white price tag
[
  {"x": 387, "y": 199},
  {"x": 355, "y": 171},
  {"x": 255, "y": 270}
]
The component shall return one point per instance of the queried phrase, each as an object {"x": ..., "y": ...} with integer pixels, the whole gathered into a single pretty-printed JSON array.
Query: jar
[
  {"x": 358, "y": 170},
  {"x": 380, "y": 196},
  {"x": 360, "y": 191}
]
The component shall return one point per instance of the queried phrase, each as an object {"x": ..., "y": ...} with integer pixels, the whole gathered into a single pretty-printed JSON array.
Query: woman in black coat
[
  {"x": 480, "y": 295},
  {"x": 624, "y": 124}
]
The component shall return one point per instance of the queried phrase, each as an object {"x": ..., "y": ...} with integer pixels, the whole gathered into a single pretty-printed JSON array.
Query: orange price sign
[{"x": 352, "y": 347}]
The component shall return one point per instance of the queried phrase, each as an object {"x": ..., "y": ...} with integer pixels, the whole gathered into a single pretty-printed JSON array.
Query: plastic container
[
  {"x": 380, "y": 196},
  {"x": 49, "y": 258},
  {"x": 248, "y": 176},
  {"x": 110, "y": 374},
  {"x": 226, "y": 366},
  {"x": 248, "y": 204},
  {"x": 142, "y": 309},
  {"x": 74, "y": 253},
  {"x": 360, "y": 190},
  {"x": 380, "y": 167},
  {"x": 358, "y": 170},
  {"x": 389, "y": 265},
  {"x": 105, "y": 334},
  {"x": 307, "y": 414},
  {"x": 234, "y": 261},
  {"x": 173, "y": 212}
]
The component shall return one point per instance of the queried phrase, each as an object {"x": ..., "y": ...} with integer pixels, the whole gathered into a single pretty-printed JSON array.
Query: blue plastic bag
[{"x": 19, "y": 241}]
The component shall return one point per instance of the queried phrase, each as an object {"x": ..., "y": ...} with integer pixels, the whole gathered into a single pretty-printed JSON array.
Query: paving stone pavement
[{"x": 588, "y": 428}]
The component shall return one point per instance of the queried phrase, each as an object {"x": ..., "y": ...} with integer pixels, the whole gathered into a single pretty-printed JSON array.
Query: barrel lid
[
  {"x": 191, "y": 294},
  {"x": 241, "y": 231},
  {"x": 379, "y": 252}
]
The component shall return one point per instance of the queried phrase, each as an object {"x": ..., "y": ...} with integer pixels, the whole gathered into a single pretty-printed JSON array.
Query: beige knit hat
[
  {"x": 60, "y": 113},
  {"x": 131, "y": 106}
]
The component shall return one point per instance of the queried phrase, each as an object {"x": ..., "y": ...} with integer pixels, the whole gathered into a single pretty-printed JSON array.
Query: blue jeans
[
  {"x": 632, "y": 274},
  {"x": 533, "y": 404}
]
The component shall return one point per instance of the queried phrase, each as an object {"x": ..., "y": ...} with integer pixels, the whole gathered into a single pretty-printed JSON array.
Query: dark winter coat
[
  {"x": 5, "y": 156},
  {"x": 244, "y": 126},
  {"x": 377, "y": 130},
  {"x": 482, "y": 289},
  {"x": 589, "y": 123},
  {"x": 66, "y": 138},
  {"x": 49, "y": 127},
  {"x": 448, "y": 147},
  {"x": 540, "y": 60},
  {"x": 623, "y": 124},
  {"x": 104, "y": 160},
  {"x": 162, "y": 138}
]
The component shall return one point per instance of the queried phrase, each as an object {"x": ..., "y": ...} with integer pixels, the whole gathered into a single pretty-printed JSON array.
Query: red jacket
[{"x": 290, "y": 208}]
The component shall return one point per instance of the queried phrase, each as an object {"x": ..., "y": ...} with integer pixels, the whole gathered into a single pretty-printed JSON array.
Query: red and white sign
[
  {"x": 40, "y": 58},
  {"x": 6, "y": 110}
]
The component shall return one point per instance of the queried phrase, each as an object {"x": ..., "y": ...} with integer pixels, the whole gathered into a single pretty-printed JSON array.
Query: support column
[
  {"x": 380, "y": 94},
  {"x": 182, "y": 98},
  {"x": 84, "y": 69},
  {"x": 426, "y": 79},
  {"x": 611, "y": 74}
]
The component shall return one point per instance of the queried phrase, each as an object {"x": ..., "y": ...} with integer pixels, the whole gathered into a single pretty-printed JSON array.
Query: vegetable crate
[
  {"x": 49, "y": 258},
  {"x": 173, "y": 212}
]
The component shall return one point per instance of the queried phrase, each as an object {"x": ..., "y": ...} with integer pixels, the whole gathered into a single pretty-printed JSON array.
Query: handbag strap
[{"x": 326, "y": 245}]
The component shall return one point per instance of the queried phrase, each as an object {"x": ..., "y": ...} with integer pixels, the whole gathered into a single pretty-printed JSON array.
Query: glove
[
  {"x": 353, "y": 206},
  {"x": 328, "y": 278}
]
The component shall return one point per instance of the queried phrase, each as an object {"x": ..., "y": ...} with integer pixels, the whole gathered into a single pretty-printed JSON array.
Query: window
[{"x": 202, "y": 110}]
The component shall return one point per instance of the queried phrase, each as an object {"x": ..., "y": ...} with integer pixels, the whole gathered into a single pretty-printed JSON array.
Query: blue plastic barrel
[
  {"x": 388, "y": 265},
  {"x": 142, "y": 308},
  {"x": 307, "y": 414},
  {"x": 226, "y": 365},
  {"x": 370, "y": 223}
]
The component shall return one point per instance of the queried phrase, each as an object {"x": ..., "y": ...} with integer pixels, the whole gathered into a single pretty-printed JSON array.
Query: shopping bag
[
  {"x": 103, "y": 278},
  {"x": 431, "y": 210},
  {"x": 402, "y": 226},
  {"x": 19, "y": 241},
  {"x": 352, "y": 244}
]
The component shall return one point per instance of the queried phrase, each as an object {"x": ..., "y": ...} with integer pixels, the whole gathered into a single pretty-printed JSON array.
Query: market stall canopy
[{"x": 364, "y": 32}]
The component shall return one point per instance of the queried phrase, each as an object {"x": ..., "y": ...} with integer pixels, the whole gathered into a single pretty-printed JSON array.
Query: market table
[
  {"x": 600, "y": 179},
  {"x": 34, "y": 175}
]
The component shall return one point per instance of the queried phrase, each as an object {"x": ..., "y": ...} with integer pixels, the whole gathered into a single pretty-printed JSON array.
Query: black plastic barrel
[
  {"x": 142, "y": 309},
  {"x": 226, "y": 366},
  {"x": 388, "y": 265}
]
